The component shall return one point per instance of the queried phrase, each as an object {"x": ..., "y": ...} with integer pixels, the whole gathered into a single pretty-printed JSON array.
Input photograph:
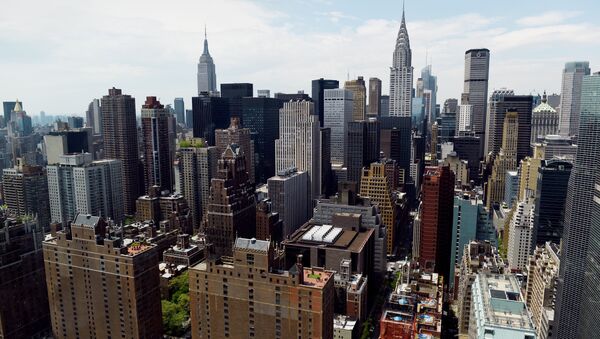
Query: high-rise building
[
  {"x": 385, "y": 106},
  {"x": 231, "y": 207},
  {"x": 263, "y": 93},
  {"x": 158, "y": 131},
  {"x": 242, "y": 137},
  {"x": 544, "y": 120},
  {"x": 338, "y": 108},
  {"x": 477, "y": 70},
  {"x": 328, "y": 186},
  {"x": 401, "y": 75},
  {"x": 427, "y": 89},
  {"x": 520, "y": 235},
  {"x": 179, "y": 110},
  {"x": 436, "y": 220},
  {"x": 234, "y": 92},
  {"x": 24, "y": 308},
  {"x": 511, "y": 188},
  {"x": 502, "y": 102},
  {"x": 505, "y": 161},
  {"x": 207, "y": 77},
  {"x": 99, "y": 285},
  {"x": 478, "y": 257},
  {"x": 80, "y": 140},
  {"x": 375, "y": 185},
  {"x": 198, "y": 165},
  {"x": 189, "y": 118},
  {"x": 298, "y": 96},
  {"x": 93, "y": 117},
  {"x": 75, "y": 122},
  {"x": 261, "y": 116},
  {"x": 268, "y": 224},
  {"x": 258, "y": 299},
  {"x": 162, "y": 208},
  {"x": 497, "y": 307},
  {"x": 318, "y": 95},
  {"x": 578, "y": 282},
  {"x": 463, "y": 118},
  {"x": 79, "y": 185},
  {"x": 290, "y": 197},
  {"x": 299, "y": 143},
  {"x": 8, "y": 107},
  {"x": 542, "y": 275},
  {"x": 359, "y": 97},
  {"x": 209, "y": 113},
  {"x": 570, "y": 97},
  {"x": 119, "y": 130},
  {"x": 395, "y": 135},
  {"x": 528, "y": 175},
  {"x": 25, "y": 191},
  {"x": 552, "y": 186},
  {"x": 363, "y": 142},
  {"x": 470, "y": 221},
  {"x": 374, "y": 97},
  {"x": 558, "y": 146}
]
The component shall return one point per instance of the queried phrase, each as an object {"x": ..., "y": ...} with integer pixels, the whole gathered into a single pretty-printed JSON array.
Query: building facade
[
  {"x": 289, "y": 194},
  {"x": 318, "y": 95},
  {"x": 359, "y": 97},
  {"x": 338, "y": 108},
  {"x": 374, "y": 97},
  {"x": 242, "y": 137},
  {"x": 570, "y": 98}
]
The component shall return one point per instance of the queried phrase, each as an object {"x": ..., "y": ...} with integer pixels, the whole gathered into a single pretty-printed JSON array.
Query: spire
[
  {"x": 544, "y": 97},
  {"x": 205, "y": 52},
  {"x": 18, "y": 107},
  {"x": 403, "y": 20}
]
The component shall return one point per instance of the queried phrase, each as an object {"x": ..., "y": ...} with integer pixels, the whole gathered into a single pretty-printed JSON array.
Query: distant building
[
  {"x": 475, "y": 93},
  {"x": 263, "y": 93},
  {"x": 511, "y": 188},
  {"x": 75, "y": 122},
  {"x": 268, "y": 224},
  {"x": 359, "y": 97},
  {"x": 505, "y": 161},
  {"x": 570, "y": 99},
  {"x": 67, "y": 142},
  {"x": 544, "y": 120},
  {"x": 289, "y": 194},
  {"x": 234, "y": 93},
  {"x": 463, "y": 118},
  {"x": 179, "y": 110},
  {"x": 497, "y": 307},
  {"x": 318, "y": 95},
  {"x": 374, "y": 97},
  {"x": 161, "y": 207},
  {"x": 258, "y": 298},
  {"x": 119, "y": 130},
  {"x": 231, "y": 207},
  {"x": 242, "y": 137},
  {"x": 209, "y": 113},
  {"x": 298, "y": 96},
  {"x": 401, "y": 75},
  {"x": 520, "y": 235},
  {"x": 338, "y": 108},
  {"x": 458, "y": 167},
  {"x": 79, "y": 185},
  {"x": 385, "y": 106},
  {"x": 158, "y": 131},
  {"x": 24, "y": 309},
  {"x": 207, "y": 77},
  {"x": 362, "y": 143},
  {"x": 25, "y": 192},
  {"x": 198, "y": 165},
  {"x": 8, "y": 107},
  {"x": 93, "y": 117},
  {"x": 558, "y": 146}
]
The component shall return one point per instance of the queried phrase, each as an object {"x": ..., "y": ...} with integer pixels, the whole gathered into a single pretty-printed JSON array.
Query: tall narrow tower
[
  {"x": 158, "y": 127},
  {"x": 401, "y": 75},
  {"x": 207, "y": 78}
]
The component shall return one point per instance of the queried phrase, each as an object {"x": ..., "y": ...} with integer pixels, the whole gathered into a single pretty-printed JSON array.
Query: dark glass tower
[
  {"x": 551, "y": 193},
  {"x": 209, "y": 113},
  {"x": 318, "y": 86},
  {"x": 261, "y": 116},
  {"x": 235, "y": 92},
  {"x": 576, "y": 301},
  {"x": 477, "y": 70},
  {"x": 499, "y": 105}
]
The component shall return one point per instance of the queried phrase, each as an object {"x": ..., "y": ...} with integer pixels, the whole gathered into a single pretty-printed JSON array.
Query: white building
[
  {"x": 570, "y": 96},
  {"x": 401, "y": 75},
  {"x": 207, "y": 77},
  {"x": 463, "y": 120},
  {"x": 344, "y": 327},
  {"x": 520, "y": 235},
  {"x": 288, "y": 191},
  {"x": 79, "y": 185},
  {"x": 337, "y": 112},
  {"x": 498, "y": 310},
  {"x": 299, "y": 142}
]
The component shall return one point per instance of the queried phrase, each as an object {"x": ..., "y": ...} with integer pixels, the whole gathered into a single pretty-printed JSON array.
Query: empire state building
[
  {"x": 207, "y": 78},
  {"x": 401, "y": 75}
]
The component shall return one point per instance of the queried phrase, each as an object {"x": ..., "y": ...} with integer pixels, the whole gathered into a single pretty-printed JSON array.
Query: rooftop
[
  {"x": 252, "y": 244},
  {"x": 316, "y": 277}
]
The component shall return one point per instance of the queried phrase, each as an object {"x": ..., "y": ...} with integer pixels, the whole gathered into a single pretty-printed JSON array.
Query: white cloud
[
  {"x": 63, "y": 54},
  {"x": 548, "y": 18}
]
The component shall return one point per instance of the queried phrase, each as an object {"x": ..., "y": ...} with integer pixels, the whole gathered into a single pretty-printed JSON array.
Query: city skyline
[{"x": 320, "y": 39}]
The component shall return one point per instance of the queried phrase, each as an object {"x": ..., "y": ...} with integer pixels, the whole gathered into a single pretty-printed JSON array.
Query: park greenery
[{"x": 176, "y": 310}]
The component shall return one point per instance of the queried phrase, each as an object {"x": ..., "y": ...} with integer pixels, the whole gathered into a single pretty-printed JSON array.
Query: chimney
[{"x": 300, "y": 269}]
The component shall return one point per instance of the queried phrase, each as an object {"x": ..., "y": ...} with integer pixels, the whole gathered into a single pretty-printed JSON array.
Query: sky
[{"x": 58, "y": 55}]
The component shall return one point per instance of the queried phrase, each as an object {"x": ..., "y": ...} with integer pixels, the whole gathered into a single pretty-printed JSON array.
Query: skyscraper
[
  {"x": 427, "y": 89},
  {"x": 100, "y": 286},
  {"x": 477, "y": 69},
  {"x": 261, "y": 116},
  {"x": 179, "y": 110},
  {"x": 570, "y": 97},
  {"x": 463, "y": 118},
  {"x": 401, "y": 75},
  {"x": 231, "y": 209},
  {"x": 385, "y": 105},
  {"x": 395, "y": 136},
  {"x": 436, "y": 220},
  {"x": 158, "y": 131},
  {"x": 505, "y": 161},
  {"x": 520, "y": 235},
  {"x": 235, "y": 134},
  {"x": 119, "y": 130},
  {"x": 299, "y": 143},
  {"x": 207, "y": 78},
  {"x": 8, "y": 106},
  {"x": 289, "y": 195},
  {"x": 359, "y": 97},
  {"x": 580, "y": 236},
  {"x": 374, "y": 97},
  {"x": 362, "y": 142},
  {"x": 209, "y": 113},
  {"x": 338, "y": 108},
  {"x": 26, "y": 192},
  {"x": 93, "y": 117},
  {"x": 318, "y": 88},
  {"x": 234, "y": 93},
  {"x": 198, "y": 165},
  {"x": 79, "y": 185}
]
